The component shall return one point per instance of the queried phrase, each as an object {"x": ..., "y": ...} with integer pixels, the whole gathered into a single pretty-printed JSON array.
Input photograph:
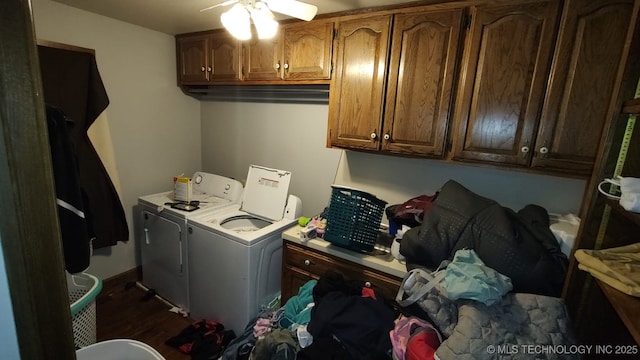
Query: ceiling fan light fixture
[
  {"x": 262, "y": 17},
  {"x": 237, "y": 21},
  {"x": 297, "y": 9}
]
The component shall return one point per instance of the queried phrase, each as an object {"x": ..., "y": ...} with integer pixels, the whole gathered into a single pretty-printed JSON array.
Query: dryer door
[{"x": 163, "y": 268}]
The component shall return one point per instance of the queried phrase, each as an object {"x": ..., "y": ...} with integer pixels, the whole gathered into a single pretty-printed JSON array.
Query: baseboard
[{"x": 131, "y": 275}]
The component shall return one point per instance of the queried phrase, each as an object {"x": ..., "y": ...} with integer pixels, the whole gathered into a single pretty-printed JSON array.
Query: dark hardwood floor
[{"x": 121, "y": 314}]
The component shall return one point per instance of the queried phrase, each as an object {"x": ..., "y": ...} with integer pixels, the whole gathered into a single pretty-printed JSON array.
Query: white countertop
[{"x": 393, "y": 267}]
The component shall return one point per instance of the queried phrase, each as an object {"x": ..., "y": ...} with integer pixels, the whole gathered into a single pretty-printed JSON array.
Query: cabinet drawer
[
  {"x": 299, "y": 260},
  {"x": 307, "y": 261},
  {"x": 381, "y": 284}
]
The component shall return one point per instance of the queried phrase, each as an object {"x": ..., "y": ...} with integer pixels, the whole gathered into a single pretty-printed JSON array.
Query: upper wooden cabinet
[
  {"x": 508, "y": 51},
  {"x": 357, "y": 91},
  {"x": 528, "y": 84},
  {"x": 306, "y": 50},
  {"x": 207, "y": 58},
  {"x": 538, "y": 100},
  {"x": 417, "y": 96},
  {"x": 261, "y": 58},
  {"x": 424, "y": 52},
  {"x": 584, "y": 76},
  {"x": 300, "y": 51}
]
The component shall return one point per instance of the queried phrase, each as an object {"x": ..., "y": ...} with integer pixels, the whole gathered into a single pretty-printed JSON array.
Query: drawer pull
[
  {"x": 307, "y": 262},
  {"x": 368, "y": 284}
]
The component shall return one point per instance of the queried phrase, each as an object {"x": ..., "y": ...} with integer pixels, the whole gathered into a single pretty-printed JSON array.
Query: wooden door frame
[{"x": 29, "y": 230}]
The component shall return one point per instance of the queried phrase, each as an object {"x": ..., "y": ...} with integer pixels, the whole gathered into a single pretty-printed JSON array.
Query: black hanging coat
[
  {"x": 69, "y": 198},
  {"x": 71, "y": 82}
]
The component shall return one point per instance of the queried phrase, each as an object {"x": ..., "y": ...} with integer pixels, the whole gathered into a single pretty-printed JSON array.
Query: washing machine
[
  {"x": 162, "y": 233},
  {"x": 235, "y": 259}
]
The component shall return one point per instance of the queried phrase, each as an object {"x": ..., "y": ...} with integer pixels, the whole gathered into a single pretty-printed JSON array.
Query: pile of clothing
[
  {"x": 203, "y": 340},
  {"x": 334, "y": 318},
  {"x": 519, "y": 245},
  {"x": 329, "y": 319}
]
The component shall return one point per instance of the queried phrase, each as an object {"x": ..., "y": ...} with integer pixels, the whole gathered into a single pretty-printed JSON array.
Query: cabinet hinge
[
  {"x": 335, "y": 34},
  {"x": 467, "y": 21},
  {"x": 448, "y": 146}
]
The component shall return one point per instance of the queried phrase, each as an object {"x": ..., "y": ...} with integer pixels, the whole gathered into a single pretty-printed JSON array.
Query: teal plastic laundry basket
[
  {"x": 353, "y": 219},
  {"x": 83, "y": 289}
]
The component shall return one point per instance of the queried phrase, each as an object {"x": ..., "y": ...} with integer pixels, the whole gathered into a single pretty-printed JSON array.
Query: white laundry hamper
[
  {"x": 83, "y": 289},
  {"x": 119, "y": 349}
]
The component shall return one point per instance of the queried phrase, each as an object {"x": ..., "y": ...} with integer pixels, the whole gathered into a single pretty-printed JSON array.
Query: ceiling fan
[{"x": 237, "y": 20}]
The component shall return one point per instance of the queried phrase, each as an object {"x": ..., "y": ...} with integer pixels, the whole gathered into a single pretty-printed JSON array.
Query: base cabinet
[{"x": 301, "y": 264}]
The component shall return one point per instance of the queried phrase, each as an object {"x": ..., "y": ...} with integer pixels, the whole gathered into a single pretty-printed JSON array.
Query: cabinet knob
[
  {"x": 209, "y": 68},
  {"x": 368, "y": 284},
  {"x": 278, "y": 66},
  {"x": 202, "y": 69},
  {"x": 387, "y": 136},
  {"x": 286, "y": 66},
  {"x": 524, "y": 149},
  {"x": 543, "y": 151},
  {"x": 307, "y": 262},
  {"x": 373, "y": 135}
]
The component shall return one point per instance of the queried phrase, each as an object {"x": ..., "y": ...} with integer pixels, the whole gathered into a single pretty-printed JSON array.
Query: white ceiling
[{"x": 184, "y": 16}]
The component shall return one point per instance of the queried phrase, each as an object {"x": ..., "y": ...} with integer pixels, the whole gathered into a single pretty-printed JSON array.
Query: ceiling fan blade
[
  {"x": 228, "y": 2},
  {"x": 293, "y": 8}
]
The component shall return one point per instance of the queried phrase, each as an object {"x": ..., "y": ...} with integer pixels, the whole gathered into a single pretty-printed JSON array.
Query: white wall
[
  {"x": 282, "y": 136},
  {"x": 152, "y": 123},
  {"x": 396, "y": 180},
  {"x": 293, "y": 137}
]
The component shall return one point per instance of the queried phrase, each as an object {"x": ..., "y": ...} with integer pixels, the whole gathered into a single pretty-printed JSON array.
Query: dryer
[
  {"x": 235, "y": 260},
  {"x": 163, "y": 233}
]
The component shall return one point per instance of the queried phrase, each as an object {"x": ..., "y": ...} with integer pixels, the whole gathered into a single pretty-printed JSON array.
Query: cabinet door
[
  {"x": 224, "y": 57},
  {"x": 292, "y": 279},
  {"x": 262, "y": 58},
  {"x": 357, "y": 90},
  {"x": 584, "y": 75},
  {"x": 307, "y": 50},
  {"x": 192, "y": 59},
  {"x": 421, "y": 71},
  {"x": 503, "y": 78}
]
